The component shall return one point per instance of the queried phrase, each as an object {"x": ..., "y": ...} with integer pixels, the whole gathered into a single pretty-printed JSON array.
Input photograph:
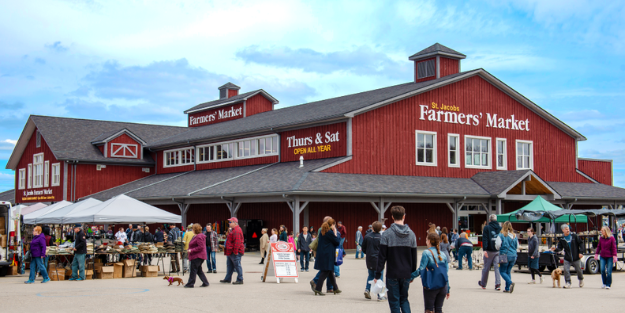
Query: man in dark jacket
[
  {"x": 491, "y": 253},
  {"x": 371, "y": 247},
  {"x": 80, "y": 251},
  {"x": 572, "y": 247},
  {"x": 303, "y": 241},
  {"x": 158, "y": 235},
  {"x": 398, "y": 248},
  {"x": 137, "y": 236}
]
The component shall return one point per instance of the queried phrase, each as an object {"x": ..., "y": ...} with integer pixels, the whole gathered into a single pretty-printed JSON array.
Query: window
[
  {"x": 38, "y": 170},
  {"x": 124, "y": 150},
  {"x": 453, "y": 141},
  {"x": 223, "y": 93},
  {"x": 426, "y": 69},
  {"x": 46, "y": 170},
  {"x": 56, "y": 174},
  {"x": 524, "y": 155},
  {"x": 21, "y": 183},
  {"x": 30, "y": 176},
  {"x": 502, "y": 159},
  {"x": 426, "y": 148},
  {"x": 179, "y": 157},
  {"x": 38, "y": 140},
  {"x": 249, "y": 148},
  {"x": 477, "y": 152}
]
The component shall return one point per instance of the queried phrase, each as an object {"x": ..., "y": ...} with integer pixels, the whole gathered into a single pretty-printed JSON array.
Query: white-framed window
[
  {"x": 425, "y": 148},
  {"x": 46, "y": 171},
  {"x": 179, "y": 157},
  {"x": 124, "y": 150},
  {"x": 502, "y": 154},
  {"x": 524, "y": 155},
  {"x": 21, "y": 182},
  {"x": 56, "y": 174},
  {"x": 240, "y": 149},
  {"x": 477, "y": 152},
  {"x": 453, "y": 143},
  {"x": 38, "y": 170},
  {"x": 30, "y": 176}
]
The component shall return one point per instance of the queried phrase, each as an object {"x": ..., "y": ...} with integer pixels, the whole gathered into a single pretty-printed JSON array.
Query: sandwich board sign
[{"x": 282, "y": 262}]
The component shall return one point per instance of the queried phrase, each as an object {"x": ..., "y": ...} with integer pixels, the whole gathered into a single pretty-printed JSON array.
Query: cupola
[
  {"x": 228, "y": 90},
  {"x": 436, "y": 61}
]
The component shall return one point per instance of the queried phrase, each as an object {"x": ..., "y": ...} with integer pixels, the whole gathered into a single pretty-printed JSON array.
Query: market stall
[
  {"x": 58, "y": 216},
  {"x": 30, "y": 218}
]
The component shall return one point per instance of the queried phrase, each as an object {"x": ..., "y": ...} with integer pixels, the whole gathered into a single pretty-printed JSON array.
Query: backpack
[{"x": 498, "y": 242}]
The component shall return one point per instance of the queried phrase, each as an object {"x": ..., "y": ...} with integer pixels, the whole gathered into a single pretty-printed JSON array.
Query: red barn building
[{"x": 450, "y": 146}]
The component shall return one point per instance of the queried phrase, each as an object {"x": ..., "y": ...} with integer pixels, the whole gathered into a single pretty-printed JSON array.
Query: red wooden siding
[
  {"x": 272, "y": 214},
  {"x": 384, "y": 139},
  {"x": 237, "y": 163},
  {"x": 89, "y": 180},
  {"x": 312, "y": 148},
  {"x": 417, "y": 80},
  {"x": 449, "y": 66},
  {"x": 124, "y": 139},
  {"x": 600, "y": 171},
  {"x": 166, "y": 170},
  {"x": 208, "y": 117},
  {"x": 101, "y": 148},
  {"x": 257, "y": 104},
  {"x": 38, "y": 195},
  {"x": 232, "y": 92},
  {"x": 207, "y": 213}
]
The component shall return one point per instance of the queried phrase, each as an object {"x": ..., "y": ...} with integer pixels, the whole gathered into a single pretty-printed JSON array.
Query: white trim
[
  {"x": 434, "y": 148},
  {"x": 119, "y": 133},
  {"x": 490, "y": 152},
  {"x": 46, "y": 173},
  {"x": 418, "y": 57},
  {"x": 438, "y": 66},
  {"x": 516, "y": 154},
  {"x": 124, "y": 147},
  {"x": 458, "y": 153},
  {"x": 586, "y": 176},
  {"x": 30, "y": 176},
  {"x": 21, "y": 178},
  {"x": 36, "y": 173},
  {"x": 56, "y": 174},
  {"x": 235, "y": 155},
  {"x": 178, "y": 159},
  {"x": 505, "y": 154},
  {"x": 327, "y": 166}
]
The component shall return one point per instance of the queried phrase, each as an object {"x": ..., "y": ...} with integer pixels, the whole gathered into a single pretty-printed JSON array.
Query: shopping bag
[
  {"x": 435, "y": 278},
  {"x": 378, "y": 288},
  {"x": 338, "y": 259}
]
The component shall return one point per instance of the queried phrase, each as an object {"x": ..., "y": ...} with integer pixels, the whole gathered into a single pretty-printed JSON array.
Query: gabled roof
[
  {"x": 437, "y": 49},
  {"x": 229, "y": 85},
  {"x": 70, "y": 138},
  {"x": 108, "y": 136},
  {"x": 232, "y": 100},
  {"x": 501, "y": 183},
  {"x": 588, "y": 190}
]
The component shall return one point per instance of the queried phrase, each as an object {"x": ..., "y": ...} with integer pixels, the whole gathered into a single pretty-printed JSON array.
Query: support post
[
  {"x": 306, "y": 216},
  {"x": 184, "y": 208},
  {"x": 499, "y": 208}
]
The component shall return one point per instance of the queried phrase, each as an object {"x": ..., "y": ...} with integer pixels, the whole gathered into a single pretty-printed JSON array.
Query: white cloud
[{"x": 11, "y": 141}]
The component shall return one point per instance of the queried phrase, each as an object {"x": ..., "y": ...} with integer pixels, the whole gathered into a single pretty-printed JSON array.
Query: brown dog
[
  {"x": 172, "y": 280},
  {"x": 555, "y": 275}
]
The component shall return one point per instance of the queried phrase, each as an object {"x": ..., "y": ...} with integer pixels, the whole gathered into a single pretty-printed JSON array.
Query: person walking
[
  {"x": 283, "y": 234},
  {"x": 212, "y": 246},
  {"x": 315, "y": 280},
  {"x": 491, "y": 253},
  {"x": 303, "y": 248},
  {"x": 274, "y": 236},
  {"x": 371, "y": 247},
  {"x": 234, "y": 251},
  {"x": 606, "y": 253},
  {"x": 464, "y": 246},
  {"x": 326, "y": 252},
  {"x": 445, "y": 246},
  {"x": 509, "y": 245},
  {"x": 398, "y": 248},
  {"x": 174, "y": 234},
  {"x": 187, "y": 237},
  {"x": 359, "y": 240},
  {"x": 454, "y": 237},
  {"x": 291, "y": 240},
  {"x": 343, "y": 231},
  {"x": 80, "y": 251},
  {"x": 197, "y": 255},
  {"x": 533, "y": 256},
  {"x": 432, "y": 257},
  {"x": 49, "y": 242},
  {"x": 264, "y": 245},
  {"x": 38, "y": 254},
  {"x": 572, "y": 247}
]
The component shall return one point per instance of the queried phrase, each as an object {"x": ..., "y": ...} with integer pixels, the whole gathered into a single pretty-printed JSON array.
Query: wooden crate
[{"x": 57, "y": 274}]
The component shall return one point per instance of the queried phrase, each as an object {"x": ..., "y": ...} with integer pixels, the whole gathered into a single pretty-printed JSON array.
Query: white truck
[{"x": 12, "y": 226}]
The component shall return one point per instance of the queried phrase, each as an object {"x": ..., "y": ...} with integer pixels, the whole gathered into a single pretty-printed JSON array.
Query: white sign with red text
[{"x": 284, "y": 260}]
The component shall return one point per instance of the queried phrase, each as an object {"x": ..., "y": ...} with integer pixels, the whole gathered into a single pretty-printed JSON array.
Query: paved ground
[{"x": 153, "y": 294}]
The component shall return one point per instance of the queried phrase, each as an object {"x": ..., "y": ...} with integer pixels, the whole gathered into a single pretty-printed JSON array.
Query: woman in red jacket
[
  {"x": 197, "y": 256},
  {"x": 606, "y": 253}
]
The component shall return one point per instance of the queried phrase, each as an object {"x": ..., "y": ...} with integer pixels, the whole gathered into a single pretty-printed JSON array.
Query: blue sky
[{"x": 149, "y": 61}]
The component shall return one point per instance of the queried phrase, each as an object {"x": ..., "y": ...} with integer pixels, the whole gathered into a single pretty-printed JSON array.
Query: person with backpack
[
  {"x": 507, "y": 252},
  {"x": 572, "y": 247},
  {"x": 371, "y": 247},
  {"x": 491, "y": 252},
  {"x": 432, "y": 258}
]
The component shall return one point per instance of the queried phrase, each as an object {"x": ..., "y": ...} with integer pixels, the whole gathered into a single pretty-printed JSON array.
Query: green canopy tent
[{"x": 539, "y": 206}]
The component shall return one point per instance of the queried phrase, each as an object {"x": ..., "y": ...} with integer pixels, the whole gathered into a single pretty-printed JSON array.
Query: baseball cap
[{"x": 233, "y": 219}]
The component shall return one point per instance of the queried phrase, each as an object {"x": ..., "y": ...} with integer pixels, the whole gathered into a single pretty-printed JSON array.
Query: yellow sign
[{"x": 324, "y": 148}]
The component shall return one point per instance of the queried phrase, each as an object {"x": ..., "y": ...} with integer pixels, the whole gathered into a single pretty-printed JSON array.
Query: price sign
[{"x": 283, "y": 259}]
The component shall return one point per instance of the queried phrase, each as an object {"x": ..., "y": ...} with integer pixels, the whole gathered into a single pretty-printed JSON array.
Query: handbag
[
  {"x": 28, "y": 256},
  {"x": 435, "y": 278},
  {"x": 503, "y": 259},
  {"x": 313, "y": 245},
  {"x": 338, "y": 259}
]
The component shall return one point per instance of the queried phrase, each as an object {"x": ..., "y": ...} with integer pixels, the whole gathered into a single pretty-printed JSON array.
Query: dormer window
[{"x": 426, "y": 69}]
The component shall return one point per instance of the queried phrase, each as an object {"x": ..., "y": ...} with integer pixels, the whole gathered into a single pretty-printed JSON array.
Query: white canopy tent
[
  {"x": 122, "y": 209},
  {"x": 31, "y": 218},
  {"x": 32, "y": 208},
  {"x": 58, "y": 216}
]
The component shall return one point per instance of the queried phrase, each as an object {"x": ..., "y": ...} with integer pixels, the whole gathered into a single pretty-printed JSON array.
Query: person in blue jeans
[
  {"x": 371, "y": 246},
  {"x": 433, "y": 299},
  {"x": 464, "y": 247},
  {"x": 38, "y": 254},
  {"x": 509, "y": 245},
  {"x": 606, "y": 254},
  {"x": 398, "y": 250},
  {"x": 359, "y": 240},
  {"x": 212, "y": 246},
  {"x": 80, "y": 252}
]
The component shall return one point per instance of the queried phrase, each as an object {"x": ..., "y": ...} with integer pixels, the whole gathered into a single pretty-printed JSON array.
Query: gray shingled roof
[
  {"x": 134, "y": 185},
  {"x": 8, "y": 196},
  {"x": 70, "y": 138},
  {"x": 111, "y": 133},
  {"x": 299, "y": 114},
  {"x": 587, "y": 190},
  {"x": 498, "y": 181},
  {"x": 229, "y": 85},
  {"x": 233, "y": 99},
  {"x": 433, "y": 49}
]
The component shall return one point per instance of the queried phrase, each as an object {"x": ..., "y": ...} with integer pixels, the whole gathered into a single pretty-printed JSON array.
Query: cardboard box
[
  {"x": 98, "y": 261},
  {"x": 97, "y": 267},
  {"x": 3, "y": 241},
  {"x": 119, "y": 270},
  {"x": 68, "y": 273},
  {"x": 159, "y": 244},
  {"x": 3, "y": 231},
  {"x": 12, "y": 270},
  {"x": 149, "y": 274},
  {"x": 57, "y": 274},
  {"x": 51, "y": 266},
  {"x": 89, "y": 274},
  {"x": 129, "y": 268},
  {"x": 149, "y": 271},
  {"x": 107, "y": 272}
]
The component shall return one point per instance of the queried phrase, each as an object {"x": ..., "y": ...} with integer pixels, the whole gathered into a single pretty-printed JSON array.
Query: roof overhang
[
  {"x": 493, "y": 80},
  {"x": 117, "y": 134},
  {"x": 529, "y": 178},
  {"x": 435, "y": 53},
  {"x": 262, "y": 92},
  {"x": 21, "y": 144}
]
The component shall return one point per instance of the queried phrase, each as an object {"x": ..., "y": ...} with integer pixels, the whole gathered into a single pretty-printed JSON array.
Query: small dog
[
  {"x": 555, "y": 275},
  {"x": 172, "y": 280}
]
